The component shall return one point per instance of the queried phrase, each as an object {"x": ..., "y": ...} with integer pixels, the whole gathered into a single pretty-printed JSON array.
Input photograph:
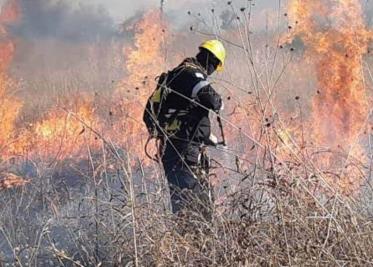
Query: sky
[
  {"x": 120, "y": 9},
  {"x": 69, "y": 17},
  {"x": 92, "y": 19},
  {"x": 89, "y": 19}
]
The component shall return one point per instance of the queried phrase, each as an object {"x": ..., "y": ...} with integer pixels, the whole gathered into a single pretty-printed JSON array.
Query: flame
[
  {"x": 9, "y": 109},
  {"x": 145, "y": 58},
  {"x": 64, "y": 133},
  {"x": 336, "y": 39},
  {"x": 9, "y": 105},
  {"x": 144, "y": 61},
  {"x": 335, "y": 46},
  {"x": 61, "y": 134},
  {"x": 340, "y": 109},
  {"x": 10, "y": 180}
]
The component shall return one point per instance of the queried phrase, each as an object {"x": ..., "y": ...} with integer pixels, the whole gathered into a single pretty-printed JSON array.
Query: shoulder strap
[{"x": 198, "y": 87}]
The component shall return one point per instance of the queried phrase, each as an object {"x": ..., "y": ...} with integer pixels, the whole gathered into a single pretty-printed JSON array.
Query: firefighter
[
  {"x": 188, "y": 131},
  {"x": 177, "y": 115}
]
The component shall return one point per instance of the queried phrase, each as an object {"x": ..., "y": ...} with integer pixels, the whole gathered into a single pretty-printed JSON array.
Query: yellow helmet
[{"x": 217, "y": 49}]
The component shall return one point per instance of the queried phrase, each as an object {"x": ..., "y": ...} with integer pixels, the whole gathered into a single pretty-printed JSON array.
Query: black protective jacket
[{"x": 189, "y": 80}]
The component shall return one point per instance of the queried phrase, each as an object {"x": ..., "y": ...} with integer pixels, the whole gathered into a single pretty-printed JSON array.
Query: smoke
[
  {"x": 89, "y": 20},
  {"x": 121, "y": 9},
  {"x": 63, "y": 20}
]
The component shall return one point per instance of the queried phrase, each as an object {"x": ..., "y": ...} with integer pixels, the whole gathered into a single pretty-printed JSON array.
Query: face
[
  {"x": 208, "y": 61},
  {"x": 210, "y": 69},
  {"x": 212, "y": 64}
]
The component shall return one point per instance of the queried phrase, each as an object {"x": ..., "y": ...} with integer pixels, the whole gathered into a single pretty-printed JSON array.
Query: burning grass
[
  {"x": 285, "y": 195},
  {"x": 10, "y": 180}
]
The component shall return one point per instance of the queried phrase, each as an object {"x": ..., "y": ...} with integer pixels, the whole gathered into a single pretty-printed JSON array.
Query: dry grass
[
  {"x": 10, "y": 180},
  {"x": 275, "y": 206},
  {"x": 114, "y": 216}
]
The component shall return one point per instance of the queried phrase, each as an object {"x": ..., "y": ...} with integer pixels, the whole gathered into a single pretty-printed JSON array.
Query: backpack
[
  {"x": 161, "y": 117},
  {"x": 157, "y": 122}
]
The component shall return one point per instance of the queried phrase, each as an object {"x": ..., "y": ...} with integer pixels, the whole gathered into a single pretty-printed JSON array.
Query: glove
[{"x": 213, "y": 140}]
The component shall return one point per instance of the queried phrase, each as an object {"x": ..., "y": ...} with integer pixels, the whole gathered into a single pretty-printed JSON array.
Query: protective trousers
[{"x": 190, "y": 191}]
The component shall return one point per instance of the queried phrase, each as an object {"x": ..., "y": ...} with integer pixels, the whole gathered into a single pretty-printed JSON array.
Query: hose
[{"x": 146, "y": 149}]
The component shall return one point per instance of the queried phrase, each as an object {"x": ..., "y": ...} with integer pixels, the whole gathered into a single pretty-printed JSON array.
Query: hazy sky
[
  {"x": 84, "y": 20},
  {"x": 122, "y": 9}
]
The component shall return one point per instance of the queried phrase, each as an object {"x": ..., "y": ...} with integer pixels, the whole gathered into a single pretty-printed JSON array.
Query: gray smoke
[
  {"x": 61, "y": 20},
  {"x": 81, "y": 20},
  {"x": 90, "y": 20}
]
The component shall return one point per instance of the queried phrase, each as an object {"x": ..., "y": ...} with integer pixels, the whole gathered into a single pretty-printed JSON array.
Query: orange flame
[
  {"x": 144, "y": 61},
  {"x": 340, "y": 108},
  {"x": 61, "y": 135},
  {"x": 64, "y": 134},
  {"x": 11, "y": 181},
  {"x": 9, "y": 109},
  {"x": 145, "y": 58},
  {"x": 336, "y": 45},
  {"x": 9, "y": 105}
]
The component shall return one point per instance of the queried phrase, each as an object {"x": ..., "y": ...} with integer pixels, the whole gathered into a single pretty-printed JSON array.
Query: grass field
[{"x": 293, "y": 187}]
